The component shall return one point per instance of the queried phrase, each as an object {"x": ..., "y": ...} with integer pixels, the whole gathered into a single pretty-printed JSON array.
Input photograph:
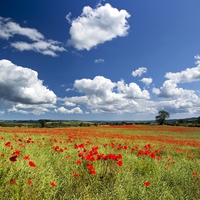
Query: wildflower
[
  {"x": 195, "y": 173},
  {"x": 16, "y": 153},
  {"x": 153, "y": 155},
  {"x": 93, "y": 172},
  {"x": 75, "y": 175},
  {"x": 8, "y": 144},
  {"x": 26, "y": 157},
  {"x": 29, "y": 182},
  {"x": 13, "y": 158},
  {"x": 78, "y": 162},
  {"x": 13, "y": 181},
  {"x": 147, "y": 183},
  {"x": 52, "y": 184},
  {"x": 119, "y": 163},
  {"x": 32, "y": 164}
]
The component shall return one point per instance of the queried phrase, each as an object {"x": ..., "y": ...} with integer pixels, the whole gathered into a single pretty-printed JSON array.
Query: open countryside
[{"x": 100, "y": 162}]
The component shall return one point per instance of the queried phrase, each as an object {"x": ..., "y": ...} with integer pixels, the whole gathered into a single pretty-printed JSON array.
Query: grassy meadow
[{"x": 100, "y": 163}]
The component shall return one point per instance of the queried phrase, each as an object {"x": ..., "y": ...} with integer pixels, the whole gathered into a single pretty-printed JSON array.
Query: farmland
[{"x": 106, "y": 162}]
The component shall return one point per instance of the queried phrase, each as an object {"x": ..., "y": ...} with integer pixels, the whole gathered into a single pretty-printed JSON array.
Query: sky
[{"x": 99, "y": 59}]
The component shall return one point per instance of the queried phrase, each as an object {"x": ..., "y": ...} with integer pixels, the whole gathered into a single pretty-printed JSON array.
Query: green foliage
[{"x": 162, "y": 115}]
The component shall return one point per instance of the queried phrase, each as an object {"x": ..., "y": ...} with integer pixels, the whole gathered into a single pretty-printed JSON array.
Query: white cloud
[
  {"x": 19, "y": 84},
  {"x": 39, "y": 43},
  {"x": 9, "y": 29},
  {"x": 36, "y": 109},
  {"x": 96, "y": 26},
  {"x": 197, "y": 57},
  {"x": 147, "y": 81},
  {"x": 44, "y": 47},
  {"x": 170, "y": 87},
  {"x": 63, "y": 110},
  {"x": 99, "y": 60},
  {"x": 99, "y": 86},
  {"x": 139, "y": 71},
  {"x": 69, "y": 103},
  {"x": 177, "y": 99},
  {"x": 170, "y": 90},
  {"x": 188, "y": 75},
  {"x": 132, "y": 90},
  {"x": 101, "y": 95},
  {"x": 2, "y": 112}
]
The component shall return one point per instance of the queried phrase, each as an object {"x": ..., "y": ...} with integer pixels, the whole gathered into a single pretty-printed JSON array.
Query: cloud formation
[
  {"x": 63, "y": 110},
  {"x": 139, "y": 71},
  {"x": 146, "y": 81},
  {"x": 99, "y": 60},
  {"x": 188, "y": 75},
  {"x": 21, "y": 85},
  {"x": 170, "y": 88},
  {"x": 98, "y": 25},
  {"x": 38, "y": 42},
  {"x": 101, "y": 95}
]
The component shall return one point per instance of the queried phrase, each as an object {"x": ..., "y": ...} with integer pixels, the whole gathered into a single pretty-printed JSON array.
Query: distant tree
[
  {"x": 42, "y": 122},
  {"x": 198, "y": 120},
  {"x": 162, "y": 115}
]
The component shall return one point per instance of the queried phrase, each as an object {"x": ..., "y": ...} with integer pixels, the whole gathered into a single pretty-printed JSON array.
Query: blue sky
[{"x": 99, "y": 60}]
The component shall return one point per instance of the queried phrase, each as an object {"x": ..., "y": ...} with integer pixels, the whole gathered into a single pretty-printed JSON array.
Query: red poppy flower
[
  {"x": 147, "y": 183},
  {"x": 26, "y": 157},
  {"x": 78, "y": 162},
  {"x": 119, "y": 163},
  {"x": 29, "y": 182},
  {"x": 75, "y": 175},
  {"x": 13, "y": 158},
  {"x": 8, "y": 144},
  {"x": 16, "y": 153},
  {"x": 93, "y": 172},
  {"x": 195, "y": 173},
  {"x": 32, "y": 164},
  {"x": 13, "y": 181},
  {"x": 52, "y": 184}
]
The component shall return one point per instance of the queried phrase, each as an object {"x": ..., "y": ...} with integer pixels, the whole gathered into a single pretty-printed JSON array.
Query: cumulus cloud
[
  {"x": 188, "y": 75},
  {"x": 146, "y": 81},
  {"x": 39, "y": 44},
  {"x": 170, "y": 88},
  {"x": 69, "y": 103},
  {"x": 178, "y": 99},
  {"x": 63, "y": 110},
  {"x": 36, "y": 109},
  {"x": 98, "y": 25},
  {"x": 132, "y": 90},
  {"x": 139, "y": 71},
  {"x": 101, "y": 95},
  {"x": 99, "y": 60},
  {"x": 21, "y": 85}
]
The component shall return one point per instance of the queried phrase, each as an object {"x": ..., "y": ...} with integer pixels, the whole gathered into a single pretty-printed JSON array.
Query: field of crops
[{"x": 100, "y": 163}]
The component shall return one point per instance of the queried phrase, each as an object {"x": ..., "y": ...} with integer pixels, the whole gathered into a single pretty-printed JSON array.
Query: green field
[{"x": 102, "y": 163}]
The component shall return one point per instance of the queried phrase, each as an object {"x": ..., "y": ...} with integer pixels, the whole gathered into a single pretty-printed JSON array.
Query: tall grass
[{"x": 93, "y": 163}]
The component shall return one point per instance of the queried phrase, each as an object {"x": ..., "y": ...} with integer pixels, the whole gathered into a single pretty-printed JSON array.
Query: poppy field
[{"x": 128, "y": 162}]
